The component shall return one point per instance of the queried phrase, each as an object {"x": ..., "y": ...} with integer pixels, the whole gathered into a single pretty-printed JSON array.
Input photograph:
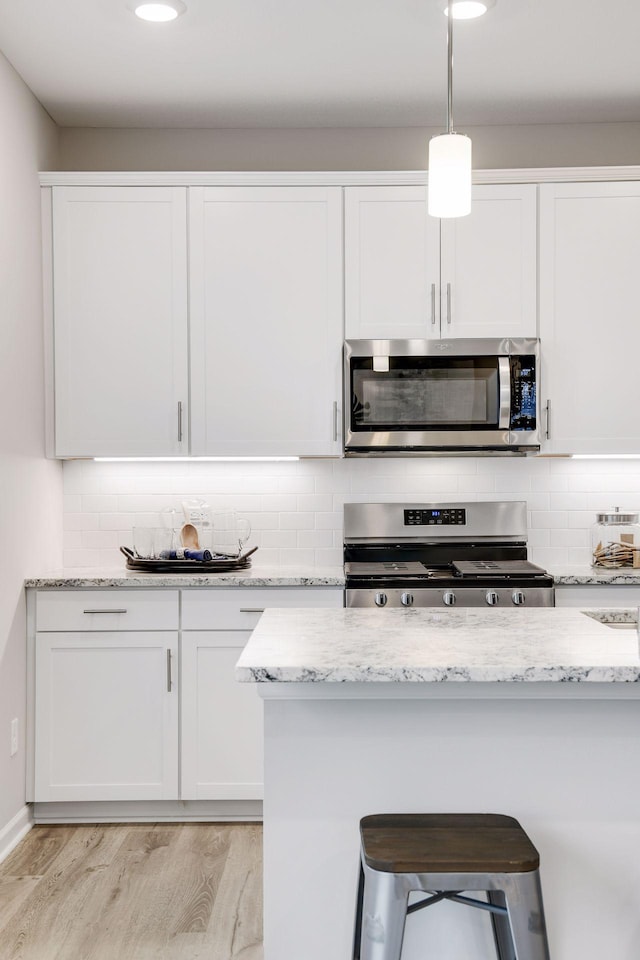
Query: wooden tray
[{"x": 221, "y": 563}]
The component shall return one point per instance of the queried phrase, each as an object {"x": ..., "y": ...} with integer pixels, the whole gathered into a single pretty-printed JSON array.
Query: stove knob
[
  {"x": 406, "y": 599},
  {"x": 491, "y": 598},
  {"x": 518, "y": 597},
  {"x": 449, "y": 598},
  {"x": 380, "y": 599}
]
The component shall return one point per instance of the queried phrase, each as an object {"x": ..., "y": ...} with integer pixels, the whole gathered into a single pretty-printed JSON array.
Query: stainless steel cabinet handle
[
  {"x": 112, "y": 610},
  {"x": 179, "y": 421},
  {"x": 433, "y": 303},
  {"x": 448, "y": 303},
  {"x": 251, "y": 609},
  {"x": 548, "y": 412},
  {"x": 169, "y": 683}
]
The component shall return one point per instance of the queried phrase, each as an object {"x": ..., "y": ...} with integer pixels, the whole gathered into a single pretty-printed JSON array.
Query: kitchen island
[{"x": 533, "y": 713}]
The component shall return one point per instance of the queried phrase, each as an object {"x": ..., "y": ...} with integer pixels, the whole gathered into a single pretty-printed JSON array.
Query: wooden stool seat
[
  {"x": 446, "y": 843},
  {"x": 446, "y": 856}
]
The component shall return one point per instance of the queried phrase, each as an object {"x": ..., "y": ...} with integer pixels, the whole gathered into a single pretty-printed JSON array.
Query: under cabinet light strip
[
  {"x": 186, "y": 459},
  {"x": 605, "y": 456}
]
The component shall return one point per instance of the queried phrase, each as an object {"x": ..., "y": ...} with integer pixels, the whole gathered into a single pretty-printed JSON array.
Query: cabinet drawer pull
[
  {"x": 335, "y": 419},
  {"x": 251, "y": 609},
  {"x": 112, "y": 610},
  {"x": 448, "y": 303},
  {"x": 179, "y": 421},
  {"x": 433, "y": 303},
  {"x": 169, "y": 683}
]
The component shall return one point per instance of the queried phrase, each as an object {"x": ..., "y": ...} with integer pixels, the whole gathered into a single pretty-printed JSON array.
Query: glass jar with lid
[{"x": 615, "y": 539}]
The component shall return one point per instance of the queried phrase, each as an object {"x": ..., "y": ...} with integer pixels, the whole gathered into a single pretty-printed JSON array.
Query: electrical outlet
[{"x": 14, "y": 737}]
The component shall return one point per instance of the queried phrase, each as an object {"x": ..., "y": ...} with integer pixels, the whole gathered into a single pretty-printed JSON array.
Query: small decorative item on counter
[
  {"x": 201, "y": 555},
  {"x": 615, "y": 540},
  {"x": 198, "y": 516}
]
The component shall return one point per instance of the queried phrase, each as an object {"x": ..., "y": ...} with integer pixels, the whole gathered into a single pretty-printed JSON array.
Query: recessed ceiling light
[
  {"x": 161, "y": 11},
  {"x": 468, "y": 9}
]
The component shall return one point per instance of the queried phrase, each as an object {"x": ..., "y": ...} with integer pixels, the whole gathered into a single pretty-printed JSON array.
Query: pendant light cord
[{"x": 449, "y": 70}]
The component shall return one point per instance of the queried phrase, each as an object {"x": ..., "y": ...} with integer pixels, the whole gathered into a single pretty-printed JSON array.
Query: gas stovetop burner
[{"x": 497, "y": 568}]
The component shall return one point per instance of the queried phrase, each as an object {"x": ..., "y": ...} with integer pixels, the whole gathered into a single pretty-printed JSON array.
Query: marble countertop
[
  {"x": 257, "y": 575},
  {"x": 585, "y": 574},
  {"x": 474, "y": 645},
  {"x": 275, "y": 575}
]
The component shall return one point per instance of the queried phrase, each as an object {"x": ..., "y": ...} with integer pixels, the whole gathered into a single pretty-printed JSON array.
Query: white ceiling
[{"x": 323, "y": 63}]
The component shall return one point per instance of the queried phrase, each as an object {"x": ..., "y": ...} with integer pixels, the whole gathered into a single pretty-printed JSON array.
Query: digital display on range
[{"x": 426, "y": 518}]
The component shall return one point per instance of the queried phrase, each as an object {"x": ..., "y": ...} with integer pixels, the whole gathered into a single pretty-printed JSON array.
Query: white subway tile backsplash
[
  {"x": 101, "y": 540},
  {"x": 297, "y": 521},
  {"x": 315, "y": 502},
  {"x": 329, "y": 521},
  {"x": 315, "y": 538},
  {"x": 80, "y": 521},
  {"x": 99, "y": 504},
  {"x": 569, "y": 538},
  {"x": 296, "y": 508},
  {"x": 549, "y": 519}
]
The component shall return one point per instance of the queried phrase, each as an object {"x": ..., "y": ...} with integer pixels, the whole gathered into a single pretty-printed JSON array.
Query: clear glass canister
[{"x": 615, "y": 539}]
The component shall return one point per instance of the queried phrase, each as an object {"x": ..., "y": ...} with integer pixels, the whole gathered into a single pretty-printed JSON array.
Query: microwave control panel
[
  {"x": 429, "y": 517},
  {"x": 523, "y": 393}
]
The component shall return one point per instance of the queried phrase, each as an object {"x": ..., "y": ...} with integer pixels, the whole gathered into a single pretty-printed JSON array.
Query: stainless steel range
[{"x": 441, "y": 554}]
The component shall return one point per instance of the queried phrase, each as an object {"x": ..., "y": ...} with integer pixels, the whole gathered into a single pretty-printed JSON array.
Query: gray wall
[
  {"x": 397, "y": 148},
  {"x": 30, "y": 486}
]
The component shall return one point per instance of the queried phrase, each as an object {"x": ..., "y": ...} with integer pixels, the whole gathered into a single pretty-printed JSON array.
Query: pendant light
[{"x": 449, "y": 193}]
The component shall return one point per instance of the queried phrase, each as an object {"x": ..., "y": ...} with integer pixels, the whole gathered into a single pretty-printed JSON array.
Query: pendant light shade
[{"x": 449, "y": 193}]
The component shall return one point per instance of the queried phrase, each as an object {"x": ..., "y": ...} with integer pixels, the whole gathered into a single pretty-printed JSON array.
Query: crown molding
[{"x": 337, "y": 178}]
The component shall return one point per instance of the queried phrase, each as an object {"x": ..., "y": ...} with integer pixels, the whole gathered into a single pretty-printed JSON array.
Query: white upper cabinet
[
  {"x": 392, "y": 264},
  {"x": 120, "y": 321},
  {"x": 408, "y": 275},
  {"x": 590, "y": 337},
  {"x": 266, "y": 320},
  {"x": 488, "y": 265}
]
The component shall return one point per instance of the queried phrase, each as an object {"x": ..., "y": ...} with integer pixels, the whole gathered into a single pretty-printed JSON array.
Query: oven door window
[{"x": 425, "y": 393}]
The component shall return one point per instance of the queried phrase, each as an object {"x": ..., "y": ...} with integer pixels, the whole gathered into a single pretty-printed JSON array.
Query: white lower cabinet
[
  {"x": 221, "y": 721},
  {"x": 106, "y": 716},
  {"x": 122, "y": 709},
  {"x": 221, "y": 731}
]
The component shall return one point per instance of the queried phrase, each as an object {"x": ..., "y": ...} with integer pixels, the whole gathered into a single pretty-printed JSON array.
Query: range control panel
[{"x": 447, "y": 517}]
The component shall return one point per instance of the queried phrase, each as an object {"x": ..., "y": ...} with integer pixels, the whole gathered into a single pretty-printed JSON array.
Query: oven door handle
[{"x": 504, "y": 386}]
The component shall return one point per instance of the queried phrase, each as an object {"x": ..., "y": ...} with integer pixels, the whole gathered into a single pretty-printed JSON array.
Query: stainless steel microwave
[{"x": 421, "y": 397}]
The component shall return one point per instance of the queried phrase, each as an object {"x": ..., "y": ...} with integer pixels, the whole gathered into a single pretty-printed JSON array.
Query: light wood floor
[{"x": 178, "y": 891}]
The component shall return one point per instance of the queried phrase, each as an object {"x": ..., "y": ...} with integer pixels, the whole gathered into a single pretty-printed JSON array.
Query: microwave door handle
[{"x": 504, "y": 381}]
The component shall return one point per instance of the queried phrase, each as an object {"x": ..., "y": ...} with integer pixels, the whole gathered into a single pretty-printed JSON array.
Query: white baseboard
[
  {"x": 143, "y": 811},
  {"x": 17, "y": 828}
]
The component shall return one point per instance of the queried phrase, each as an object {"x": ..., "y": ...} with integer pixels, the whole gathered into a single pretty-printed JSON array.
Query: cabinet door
[
  {"x": 106, "y": 722},
  {"x": 266, "y": 320},
  {"x": 221, "y": 749},
  {"x": 590, "y": 337},
  {"x": 489, "y": 274},
  {"x": 392, "y": 264},
  {"x": 120, "y": 321}
]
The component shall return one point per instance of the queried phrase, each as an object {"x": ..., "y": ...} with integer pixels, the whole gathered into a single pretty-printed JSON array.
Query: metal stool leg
[
  {"x": 384, "y": 912},
  {"x": 505, "y": 949},
  {"x": 357, "y": 934},
  {"x": 526, "y": 915}
]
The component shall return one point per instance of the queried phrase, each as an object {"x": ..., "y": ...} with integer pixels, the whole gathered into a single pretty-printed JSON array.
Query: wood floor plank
[
  {"x": 58, "y": 898},
  {"x": 137, "y": 892},
  {"x": 14, "y": 892},
  {"x": 34, "y": 855}
]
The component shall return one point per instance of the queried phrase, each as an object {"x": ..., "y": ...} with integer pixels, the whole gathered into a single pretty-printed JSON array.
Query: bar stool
[{"x": 446, "y": 855}]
